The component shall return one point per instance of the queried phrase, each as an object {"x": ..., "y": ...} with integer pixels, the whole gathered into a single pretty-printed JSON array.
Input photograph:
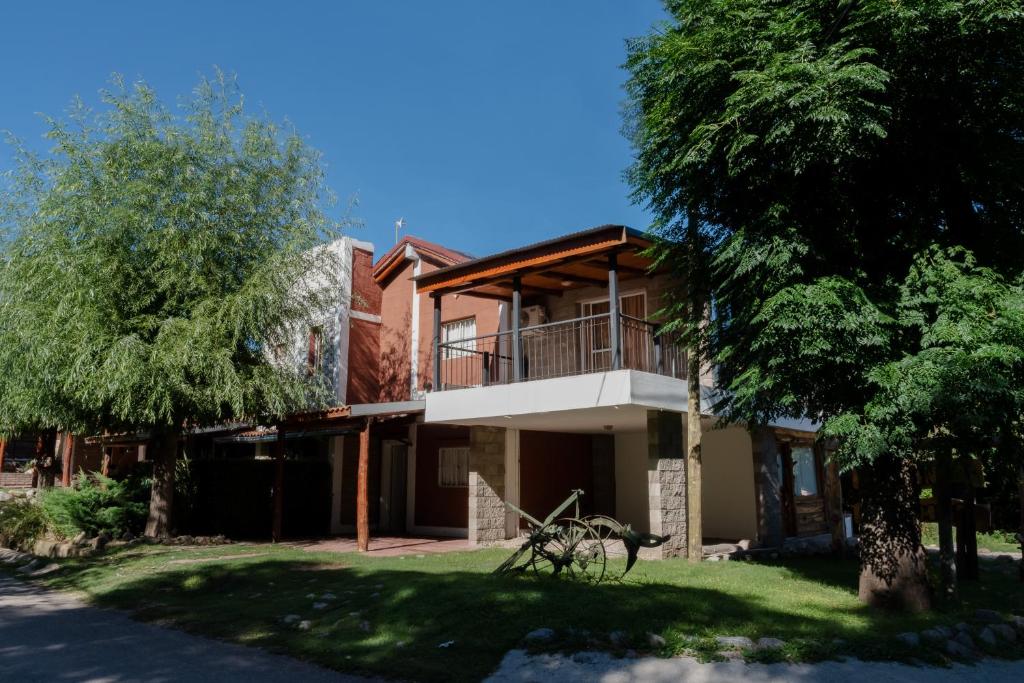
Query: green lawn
[
  {"x": 994, "y": 541},
  {"x": 391, "y": 614}
]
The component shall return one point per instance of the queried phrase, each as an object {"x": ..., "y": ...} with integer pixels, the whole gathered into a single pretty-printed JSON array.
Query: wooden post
[
  {"x": 278, "y": 521},
  {"x": 68, "y": 464},
  {"x": 833, "y": 491},
  {"x": 517, "y": 346},
  {"x": 362, "y": 490},
  {"x": 614, "y": 316},
  {"x": 3, "y": 451},
  {"x": 105, "y": 463},
  {"x": 437, "y": 341}
]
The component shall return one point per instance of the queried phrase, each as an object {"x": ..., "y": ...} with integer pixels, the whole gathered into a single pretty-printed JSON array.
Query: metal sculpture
[{"x": 574, "y": 546}]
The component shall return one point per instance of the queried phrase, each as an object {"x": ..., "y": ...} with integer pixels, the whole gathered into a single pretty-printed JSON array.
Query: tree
[
  {"x": 153, "y": 261},
  {"x": 822, "y": 147}
]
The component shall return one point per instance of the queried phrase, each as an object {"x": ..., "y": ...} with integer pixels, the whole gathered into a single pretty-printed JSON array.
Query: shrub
[
  {"x": 97, "y": 503},
  {"x": 22, "y": 523}
]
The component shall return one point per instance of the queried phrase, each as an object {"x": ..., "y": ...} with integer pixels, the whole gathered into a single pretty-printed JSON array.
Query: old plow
[{"x": 575, "y": 546}]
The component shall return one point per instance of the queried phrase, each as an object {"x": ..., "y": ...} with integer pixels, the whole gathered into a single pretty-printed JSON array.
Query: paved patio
[{"x": 387, "y": 546}]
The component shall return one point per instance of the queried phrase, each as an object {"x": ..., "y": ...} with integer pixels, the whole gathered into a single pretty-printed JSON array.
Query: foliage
[
  {"x": 97, "y": 503},
  {"x": 152, "y": 262},
  {"x": 22, "y": 523},
  {"x": 822, "y": 148}
]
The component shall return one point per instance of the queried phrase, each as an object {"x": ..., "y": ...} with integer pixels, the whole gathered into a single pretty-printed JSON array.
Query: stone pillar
[
  {"x": 768, "y": 487},
  {"x": 486, "y": 485},
  {"x": 666, "y": 481}
]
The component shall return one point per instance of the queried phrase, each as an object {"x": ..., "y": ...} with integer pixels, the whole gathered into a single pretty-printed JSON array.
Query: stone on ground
[
  {"x": 988, "y": 637},
  {"x": 736, "y": 642},
  {"x": 655, "y": 641},
  {"x": 988, "y": 615},
  {"x": 770, "y": 644},
  {"x": 909, "y": 638},
  {"x": 540, "y": 635}
]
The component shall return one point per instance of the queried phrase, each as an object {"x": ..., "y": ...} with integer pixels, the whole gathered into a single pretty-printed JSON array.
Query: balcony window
[{"x": 458, "y": 336}]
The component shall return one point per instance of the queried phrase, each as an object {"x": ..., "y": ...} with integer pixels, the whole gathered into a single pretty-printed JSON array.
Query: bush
[
  {"x": 22, "y": 523},
  {"x": 97, "y": 503}
]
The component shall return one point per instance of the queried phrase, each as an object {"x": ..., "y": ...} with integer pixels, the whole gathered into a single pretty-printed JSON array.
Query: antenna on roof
[{"x": 399, "y": 225}]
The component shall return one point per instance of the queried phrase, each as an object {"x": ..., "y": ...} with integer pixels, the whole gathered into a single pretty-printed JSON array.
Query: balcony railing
[{"x": 559, "y": 349}]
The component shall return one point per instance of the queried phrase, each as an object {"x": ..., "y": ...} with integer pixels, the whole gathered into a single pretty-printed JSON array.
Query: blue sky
[{"x": 485, "y": 125}]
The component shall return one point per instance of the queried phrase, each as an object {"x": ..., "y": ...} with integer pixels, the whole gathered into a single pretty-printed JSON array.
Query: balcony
[{"x": 559, "y": 349}]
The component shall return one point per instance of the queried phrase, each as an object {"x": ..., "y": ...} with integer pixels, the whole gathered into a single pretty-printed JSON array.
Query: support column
[
  {"x": 363, "y": 490},
  {"x": 278, "y": 520},
  {"x": 437, "y": 342},
  {"x": 486, "y": 485},
  {"x": 3, "y": 451},
  {"x": 614, "y": 315},
  {"x": 666, "y": 481},
  {"x": 517, "y": 342}
]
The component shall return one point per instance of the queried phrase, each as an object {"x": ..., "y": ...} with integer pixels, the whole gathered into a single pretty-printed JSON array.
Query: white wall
[
  {"x": 631, "y": 505},
  {"x": 727, "y": 500}
]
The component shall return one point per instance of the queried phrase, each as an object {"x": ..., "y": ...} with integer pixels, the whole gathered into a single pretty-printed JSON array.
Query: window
[
  {"x": 805, "y": 472},
  {"x": 458, "y": 337},
  {"x": 315, "y": 354},
  {"x": 453, "y": 467}
]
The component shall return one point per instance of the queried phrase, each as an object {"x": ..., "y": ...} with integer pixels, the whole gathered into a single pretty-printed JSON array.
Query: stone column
[
  {"x": 666, "y": 481},
  {"x": 486, "y": 485}
]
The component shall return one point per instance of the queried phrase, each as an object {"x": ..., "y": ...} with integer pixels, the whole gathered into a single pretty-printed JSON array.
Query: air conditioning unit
[{"x": 533, "y": 315}]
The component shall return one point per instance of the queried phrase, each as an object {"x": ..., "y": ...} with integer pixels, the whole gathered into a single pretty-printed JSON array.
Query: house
[{"x": 519, "y": 376}]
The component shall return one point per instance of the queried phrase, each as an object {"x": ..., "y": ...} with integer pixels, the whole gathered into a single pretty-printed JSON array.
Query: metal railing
[{"x": 560, "y": 349}]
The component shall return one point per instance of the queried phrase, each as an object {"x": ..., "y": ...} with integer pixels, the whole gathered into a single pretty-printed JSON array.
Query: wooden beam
[
  {"x": 3, "y": 452},
  {"x": 623, "y": 270},
  {"x": 572, "y": 277},
  {"x": 277, "y": 527},
  {"x": 363, "y": 490}
]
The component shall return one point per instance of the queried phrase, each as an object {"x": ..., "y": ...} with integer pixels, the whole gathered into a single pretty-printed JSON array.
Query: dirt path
[
  {"x": 519, "y": 667},
  {"x": 53, "y": 636}
]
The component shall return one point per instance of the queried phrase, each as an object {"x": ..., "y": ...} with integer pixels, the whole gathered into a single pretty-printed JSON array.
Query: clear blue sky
[{"x": 486, "y": 125}]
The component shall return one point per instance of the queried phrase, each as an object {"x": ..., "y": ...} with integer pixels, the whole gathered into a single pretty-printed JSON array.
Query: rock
[
  {"x": 319, "y": 605},
  {"x": 364, "y": 626},
  {"x": 290, "y": 619},
  {"x": 744, "y": 544},
  {"x": 735, "y": 642},
  {"x": 99, "y": 543},
  {"x": 328, "y": 596},
  {"x": 29, "y": 568},
  {"x": 618, "y": 638},
  {"x": 48, "y": 569},
  {"x": 988, "y": 637},
  {"x": 80, "y": 538},
  {"x": 769, "y": 644},
  {"x": 989, "y": 616},
  {"x": 540, "y": 635},
  {"x": 1018, "y": 622},
  {"x": 305, "y": 625},
  {"x": 962, "y": 627},
  {"x": 945, "y": 630},
  {"x": 934, "y": 636},
  {"x": 1005, "y": 631},
  {"x": 964, "y": 639},
  {"x": 655, "y": 641},
  {"x": 909, "y": 638},
  {"x": 446, "y": 644},
  {"x": 310, "y": 596},
  {"x": 955, "y": 649},
  {"x": 4, "y": 496},
  {"x": 127, "y": 536}
]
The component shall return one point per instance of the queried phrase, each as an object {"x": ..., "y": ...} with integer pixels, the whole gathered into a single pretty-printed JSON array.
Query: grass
[
  {"x": 391, "y": 615},
  {"x": 992, "y": 541}
]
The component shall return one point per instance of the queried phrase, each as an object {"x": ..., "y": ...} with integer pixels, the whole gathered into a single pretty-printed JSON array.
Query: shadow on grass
[{"x": 438, "y": 619}]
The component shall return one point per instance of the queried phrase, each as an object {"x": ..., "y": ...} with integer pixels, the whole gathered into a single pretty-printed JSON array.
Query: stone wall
[
  {"x": 486, "y": 485},
  {"x": 666, "y": 480}
]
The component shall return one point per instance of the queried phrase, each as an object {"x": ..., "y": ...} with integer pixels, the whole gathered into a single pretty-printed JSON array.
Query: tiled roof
[{"x": 431, "y": 250}]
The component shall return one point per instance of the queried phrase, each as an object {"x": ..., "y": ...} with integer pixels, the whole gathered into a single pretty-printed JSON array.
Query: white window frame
[
  {"x": 453, "y": 467},
  {"x": 806, "y": 464},
  {"x": 462, "y": 344}
]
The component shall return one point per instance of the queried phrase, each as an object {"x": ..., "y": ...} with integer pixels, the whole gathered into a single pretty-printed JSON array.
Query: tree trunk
[
  {"x": 161, "y": 501},
  {"x": 893, "y": 563},
  {"x": 966, "y": 535},
  {"x": 944, "y": 515},
  {"x": 694, "y": 435}
]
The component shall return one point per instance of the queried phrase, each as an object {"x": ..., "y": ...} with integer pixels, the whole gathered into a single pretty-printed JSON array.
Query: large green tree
[
  {"x": 821, "y": 149},
  {"x": 152, "y": 261}
]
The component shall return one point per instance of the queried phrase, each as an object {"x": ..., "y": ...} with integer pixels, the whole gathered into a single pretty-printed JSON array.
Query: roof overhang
[{"x": 550, "y": 268}]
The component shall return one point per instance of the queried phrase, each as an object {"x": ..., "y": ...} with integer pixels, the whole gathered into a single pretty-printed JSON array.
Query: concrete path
[
  {"x": 53, "y": 636},
  {"x": 519, "y": 667}
]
